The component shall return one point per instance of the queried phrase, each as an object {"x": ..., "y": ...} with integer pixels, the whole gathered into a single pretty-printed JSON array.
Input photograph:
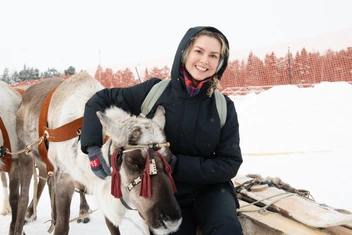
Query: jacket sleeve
[
  {"x": 223, "y": 165},
  {"x": 129, "y": 99}
]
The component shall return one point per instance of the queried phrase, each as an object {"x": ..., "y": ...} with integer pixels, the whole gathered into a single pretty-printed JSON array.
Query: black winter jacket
[{"x": 207, "y": 154}]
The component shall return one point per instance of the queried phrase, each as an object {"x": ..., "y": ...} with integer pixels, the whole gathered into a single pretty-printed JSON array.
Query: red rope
[
  {"x": 168, "y": 171},
  {"x": 146, "y": 189},
  {"x": 115, "y": 178}
]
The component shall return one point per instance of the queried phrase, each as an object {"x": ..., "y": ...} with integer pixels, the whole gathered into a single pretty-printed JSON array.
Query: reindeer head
[{"x": 141, "y": 153}]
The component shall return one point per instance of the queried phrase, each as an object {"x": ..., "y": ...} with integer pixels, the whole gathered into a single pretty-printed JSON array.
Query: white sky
[
  {"x": 58, "y": 34},
  {"x": 302, "y": 135}
]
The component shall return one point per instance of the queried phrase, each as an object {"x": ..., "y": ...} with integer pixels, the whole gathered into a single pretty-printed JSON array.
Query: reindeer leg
[
  {"x": 64, "y": 189},
  {"x": 26, "y": 172},
  {"x": 112, "y": 228},
  {"x": 31, "y": 214},
  {"x": 6, "y": 203},
  {"x": 83, "y": 206},
  {"x": 13, "y": 194},
  {"x": 20, "y": 178},
  {"x": 51, "y": 189}
]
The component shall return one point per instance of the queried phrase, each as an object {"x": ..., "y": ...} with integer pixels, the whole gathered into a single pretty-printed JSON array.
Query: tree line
[
  {"x": 302, "y": 68},
  {"x": 30, "y": 73}
]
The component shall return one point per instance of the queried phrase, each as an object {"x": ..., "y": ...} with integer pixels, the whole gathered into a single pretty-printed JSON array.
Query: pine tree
[
  {"x": 70, "y": 71},
  {"x": 6, "y": 76}
]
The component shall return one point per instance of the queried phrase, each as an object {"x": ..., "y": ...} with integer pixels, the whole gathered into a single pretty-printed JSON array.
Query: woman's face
[{"x": 203, "y": 58}]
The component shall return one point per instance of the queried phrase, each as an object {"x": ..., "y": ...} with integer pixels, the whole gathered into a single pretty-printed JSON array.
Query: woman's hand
[{"x": 97, "y": 162}]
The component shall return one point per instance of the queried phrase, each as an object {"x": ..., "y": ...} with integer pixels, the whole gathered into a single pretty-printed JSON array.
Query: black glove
[
  {"x": 97, "y": 162},
  {"x": 172, "y": 162}
]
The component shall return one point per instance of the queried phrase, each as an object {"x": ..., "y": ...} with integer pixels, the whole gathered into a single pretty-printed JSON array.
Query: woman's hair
[{"x": 223, "y": 54}]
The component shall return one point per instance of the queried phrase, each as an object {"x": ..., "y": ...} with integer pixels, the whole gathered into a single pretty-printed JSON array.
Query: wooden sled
[{"x": 289, "y": 213}]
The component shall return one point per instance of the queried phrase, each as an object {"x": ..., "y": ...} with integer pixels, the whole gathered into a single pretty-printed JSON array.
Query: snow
[{"x": 302, "y": 135}]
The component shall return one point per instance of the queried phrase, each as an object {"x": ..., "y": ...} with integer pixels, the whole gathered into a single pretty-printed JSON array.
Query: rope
[
  {"x": 281, "y": 185},
  {"x": 71, "y": 220},
  {"x": 129, "y": 148},
  {"x": 82, "y": 216},
  {"x": 28, "y": 148},
  {"x": 264, "y": 209},
  {"x": 245, "y": 189}
]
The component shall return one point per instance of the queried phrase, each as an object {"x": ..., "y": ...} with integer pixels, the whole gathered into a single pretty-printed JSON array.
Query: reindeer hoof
[
  {"x": 4, "y": 213},
  {"x": 84, "y": 220}
]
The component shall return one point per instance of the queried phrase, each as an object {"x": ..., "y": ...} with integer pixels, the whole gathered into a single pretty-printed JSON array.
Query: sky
[
  {"x": 118, "y": 34},
  {"x": 301, "y": 135}
]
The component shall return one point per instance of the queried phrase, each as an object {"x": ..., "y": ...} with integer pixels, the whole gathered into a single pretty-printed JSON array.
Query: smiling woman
[
  {"x": 206, "y": 155},
  {"x": 204, "y": 56}
]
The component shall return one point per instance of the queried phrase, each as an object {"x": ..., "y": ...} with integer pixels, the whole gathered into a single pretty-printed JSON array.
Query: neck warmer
[{"x": 191, "y": 89}]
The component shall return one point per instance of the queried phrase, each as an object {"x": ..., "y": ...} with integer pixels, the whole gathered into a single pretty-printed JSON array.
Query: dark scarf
[{"x": 191, "y": 89}]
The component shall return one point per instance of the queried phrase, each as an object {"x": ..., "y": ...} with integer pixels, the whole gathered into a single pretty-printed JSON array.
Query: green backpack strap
[
  {"x": 221, "y": 107},
  {"x": 159, "y": 88},
  {"x": 152, "y": 97}
]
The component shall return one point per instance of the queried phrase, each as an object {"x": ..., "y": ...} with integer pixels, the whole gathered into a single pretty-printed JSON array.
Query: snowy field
[{"x": 302, "y": 135}]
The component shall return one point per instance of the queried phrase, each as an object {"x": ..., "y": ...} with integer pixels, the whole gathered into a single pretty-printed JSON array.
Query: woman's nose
[{"x": 204, "y": 59}]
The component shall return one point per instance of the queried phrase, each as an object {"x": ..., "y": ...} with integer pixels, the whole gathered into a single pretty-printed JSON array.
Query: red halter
[{"x": 144, "y": 179}]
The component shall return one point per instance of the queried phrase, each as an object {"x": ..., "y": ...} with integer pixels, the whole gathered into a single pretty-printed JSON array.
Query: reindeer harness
[
  {"x": 150, "y": 169},
  {"x": 65, "y": 132},
  {"x": 4, "y": 152}
]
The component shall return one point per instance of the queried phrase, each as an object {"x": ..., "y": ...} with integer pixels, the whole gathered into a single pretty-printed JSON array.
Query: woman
[{"x": 207, "y": 156}]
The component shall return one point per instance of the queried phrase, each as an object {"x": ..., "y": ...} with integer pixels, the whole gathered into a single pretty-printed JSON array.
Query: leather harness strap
[
  {"x": 19, "y": 90},
  {"x": 43, "y": 118},
  {"x": 7, "y": 159},
  {"x": 65, "y": 132},
  {"x": 62, "y": 133}
]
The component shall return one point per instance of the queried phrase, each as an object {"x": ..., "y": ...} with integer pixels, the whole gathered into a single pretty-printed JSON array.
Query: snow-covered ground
[{"x": 302, "y": 135}]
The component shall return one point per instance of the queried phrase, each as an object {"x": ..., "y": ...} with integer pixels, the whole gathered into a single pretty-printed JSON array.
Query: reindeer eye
[{"x": 131, "y": 162}]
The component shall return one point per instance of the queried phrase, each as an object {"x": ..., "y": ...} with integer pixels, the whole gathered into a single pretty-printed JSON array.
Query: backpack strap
[
  {"x": 221, "y": 107},
  {"x": 159, "y": 88},
  {"x": 152, "y": 97}
]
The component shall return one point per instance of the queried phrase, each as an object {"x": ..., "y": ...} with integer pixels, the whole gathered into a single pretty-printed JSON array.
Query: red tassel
[
  {"x": 115, "y": 178},
  {"x": 168, "y": 171},
  {"x": 146, "y": 190}
]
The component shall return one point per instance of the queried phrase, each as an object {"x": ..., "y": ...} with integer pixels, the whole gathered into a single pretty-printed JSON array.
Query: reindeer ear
[
  {"x": 104, "y": 119},
  {"x": 159, "y": 116}
]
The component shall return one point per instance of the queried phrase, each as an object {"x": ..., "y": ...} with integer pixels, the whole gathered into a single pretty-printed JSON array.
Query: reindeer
[
  {"x": 21, "y": 168},
  {"x": 10, "y": 101},
  {"x": 11, "y": 98},
  {"x": 132, "y": 142}
]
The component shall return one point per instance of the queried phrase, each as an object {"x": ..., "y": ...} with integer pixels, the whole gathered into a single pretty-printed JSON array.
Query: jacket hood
[{"x": 175, "y": 71}]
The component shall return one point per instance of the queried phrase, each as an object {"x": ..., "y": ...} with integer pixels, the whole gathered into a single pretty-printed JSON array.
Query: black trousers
[{"x": 214, "y": 209}]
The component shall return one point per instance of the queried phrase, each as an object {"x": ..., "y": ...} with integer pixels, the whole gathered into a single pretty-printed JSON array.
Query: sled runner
[{"x": 290, "y": 205}]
